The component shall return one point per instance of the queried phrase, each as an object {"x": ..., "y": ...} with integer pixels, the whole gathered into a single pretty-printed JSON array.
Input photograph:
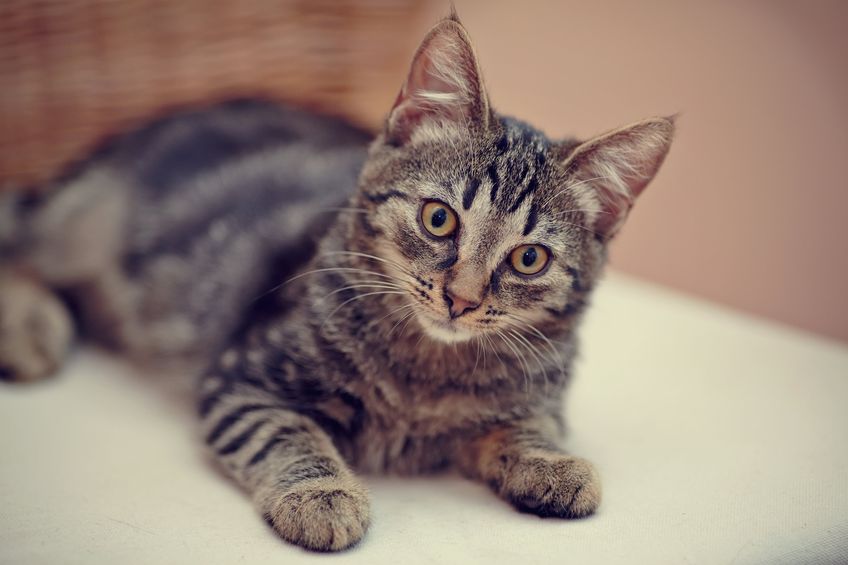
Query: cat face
[{"x": 489, "y": 226}]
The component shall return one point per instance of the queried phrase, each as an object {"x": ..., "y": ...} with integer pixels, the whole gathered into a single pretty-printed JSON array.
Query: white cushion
[{"x": 719, "y": 438}]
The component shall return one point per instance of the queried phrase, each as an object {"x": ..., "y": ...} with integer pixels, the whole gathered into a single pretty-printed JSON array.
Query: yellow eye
[
  {"x": 438, "y": 219},
  {"x": 529, "y": 259}
]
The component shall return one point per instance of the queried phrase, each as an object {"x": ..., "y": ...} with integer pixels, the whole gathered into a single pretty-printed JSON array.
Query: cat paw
[
  {"x": 35, "y": 330},
  {"x": 321, "y": 515},
  {"x": 553, "y": 486}
]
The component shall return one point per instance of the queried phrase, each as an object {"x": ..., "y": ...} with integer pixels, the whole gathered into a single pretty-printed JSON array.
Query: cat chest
[
  {"x": 421, "y": 412},
  {"x": 408, "y": 433}
]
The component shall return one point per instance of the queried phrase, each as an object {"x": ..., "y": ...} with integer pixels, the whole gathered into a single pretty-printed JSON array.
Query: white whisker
[
  {"x": 359, "y": 297},
  {"x": 327, "y": 270},
  {"x": 366, "y": 284},
  {"x": 477, "y": 357},
  {"x": 405, "y": 326},
  {"x": 343, "y": 209},
  {"x": 395, "y": 264},
  {"x": 393, "y": 312},
  {"x": 534, "y": 352},
  {"x": 519, "y": 357},
  {"x": 560, "y": 362},
  {"x": 494, "y": 349},
  {"x": 405, "y": 317}
]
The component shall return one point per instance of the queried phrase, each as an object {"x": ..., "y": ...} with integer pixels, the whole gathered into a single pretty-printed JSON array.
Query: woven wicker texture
[{"x": 73, "y": 71}]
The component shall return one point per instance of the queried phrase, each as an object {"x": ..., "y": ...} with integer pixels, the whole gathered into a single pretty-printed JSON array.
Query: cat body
[
  {"x": 402, "y": 306},
  {"x": 199, "y": 208}
]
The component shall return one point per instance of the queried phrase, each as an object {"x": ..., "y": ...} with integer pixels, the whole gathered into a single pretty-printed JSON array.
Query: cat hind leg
[{"x": 36, "y": 329}]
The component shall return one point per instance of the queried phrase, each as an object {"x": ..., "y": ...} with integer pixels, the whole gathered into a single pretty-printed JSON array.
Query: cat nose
[{"x": 457, "y": 305}]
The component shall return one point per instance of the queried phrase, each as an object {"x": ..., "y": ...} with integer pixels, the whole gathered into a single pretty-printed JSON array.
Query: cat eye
[
  {"x": 529, "y": 259},
  {"x": 438, "y": 218}
]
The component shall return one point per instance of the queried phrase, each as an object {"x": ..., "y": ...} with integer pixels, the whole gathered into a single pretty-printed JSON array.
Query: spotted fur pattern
[{"x": 289, "y": 258}]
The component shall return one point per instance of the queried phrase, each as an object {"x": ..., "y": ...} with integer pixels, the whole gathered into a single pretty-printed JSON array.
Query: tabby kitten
[{"x": 421, "y": 321}]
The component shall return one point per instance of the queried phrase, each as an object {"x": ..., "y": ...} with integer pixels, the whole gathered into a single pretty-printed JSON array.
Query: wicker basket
[{"x": 75, "y": 70}]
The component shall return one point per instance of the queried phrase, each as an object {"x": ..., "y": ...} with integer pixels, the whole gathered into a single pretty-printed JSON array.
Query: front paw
[
  {"x": 553, "y": 485},
  {"x": 321, "y": 515}
]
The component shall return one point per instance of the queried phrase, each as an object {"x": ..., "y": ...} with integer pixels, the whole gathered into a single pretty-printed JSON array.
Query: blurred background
[{"x": 748, "y": 211}]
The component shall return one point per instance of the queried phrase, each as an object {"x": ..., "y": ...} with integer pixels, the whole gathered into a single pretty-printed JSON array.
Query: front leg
[
  {"x": 523, "y": 465},
  {"x": 289, "y": 465}
]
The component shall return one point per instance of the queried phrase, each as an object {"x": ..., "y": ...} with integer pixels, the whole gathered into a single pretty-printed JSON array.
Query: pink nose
[{"x": 457, "y": 305}]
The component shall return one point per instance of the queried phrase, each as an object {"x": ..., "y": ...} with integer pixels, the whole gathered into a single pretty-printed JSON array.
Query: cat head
[{"x": 487, "y": 223}]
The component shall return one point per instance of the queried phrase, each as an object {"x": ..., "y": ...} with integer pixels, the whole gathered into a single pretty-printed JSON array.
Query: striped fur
[{"x": 286, "y": 257}]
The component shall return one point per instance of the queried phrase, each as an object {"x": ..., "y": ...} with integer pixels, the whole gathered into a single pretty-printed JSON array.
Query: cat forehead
[
  {"x": 507, "y": 159},
  {"x": 521, "y": 135},
  {"x": 494, "y": 213},
  {"x": 504, "y": 184}
]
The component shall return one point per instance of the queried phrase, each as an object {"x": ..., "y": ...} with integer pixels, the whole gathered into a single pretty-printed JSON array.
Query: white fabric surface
[{"x": 720, "y": 439}]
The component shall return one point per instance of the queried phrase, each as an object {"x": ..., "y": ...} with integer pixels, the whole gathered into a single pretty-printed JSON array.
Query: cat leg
[
  {"x": 55, "y": 240},
  {"x": 523, "y": 465},
  {"x": 298, "y": 480},
  {"x": 36, "y": 329}
]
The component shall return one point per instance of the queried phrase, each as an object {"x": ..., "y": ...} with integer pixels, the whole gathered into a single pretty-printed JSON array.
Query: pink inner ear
[
  {"x": 618, "y": 167},
  {"x": 443, "y": 83},
  {"x": 614, "y": 209},
  {"x": 419, "y": 97},
  {"x": 618, "y": 194},
  {"x": 424, "y": 76}
]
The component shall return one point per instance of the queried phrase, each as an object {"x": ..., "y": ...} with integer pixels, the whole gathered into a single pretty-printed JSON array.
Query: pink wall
[{"x": 750, "y": 208}]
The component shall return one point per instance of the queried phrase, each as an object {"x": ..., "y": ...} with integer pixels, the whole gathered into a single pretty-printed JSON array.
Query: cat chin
[{"x": 446, "y": 332}]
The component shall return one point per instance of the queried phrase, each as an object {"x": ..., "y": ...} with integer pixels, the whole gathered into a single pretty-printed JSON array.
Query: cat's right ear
[{"x": 444, "y": 87}]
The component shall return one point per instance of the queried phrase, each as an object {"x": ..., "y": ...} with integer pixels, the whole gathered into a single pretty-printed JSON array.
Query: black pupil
[
  {"x": 529, "y": 257},
  {"x": 439, "y": 218}
]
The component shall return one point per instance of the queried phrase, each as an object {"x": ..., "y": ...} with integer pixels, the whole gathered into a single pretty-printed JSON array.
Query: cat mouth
[{"x": 448, "y": 331}]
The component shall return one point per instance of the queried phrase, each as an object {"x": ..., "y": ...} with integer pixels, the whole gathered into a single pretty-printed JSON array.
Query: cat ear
[
  {"x": 611, "y": 170},
  {"x": 444, "y": 86}
]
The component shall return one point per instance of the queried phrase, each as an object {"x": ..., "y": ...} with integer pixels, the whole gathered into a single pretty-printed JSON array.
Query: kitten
[{"x": 424, "y": 290}]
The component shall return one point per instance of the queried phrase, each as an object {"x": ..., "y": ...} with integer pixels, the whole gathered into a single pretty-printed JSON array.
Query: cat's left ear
[
  {"x": 444, "y": 86},
  {"x": 614, "y": 168}
]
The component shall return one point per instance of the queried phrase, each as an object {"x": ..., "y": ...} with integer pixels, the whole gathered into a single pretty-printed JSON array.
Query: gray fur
[{"x": 267, "y": 245}]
